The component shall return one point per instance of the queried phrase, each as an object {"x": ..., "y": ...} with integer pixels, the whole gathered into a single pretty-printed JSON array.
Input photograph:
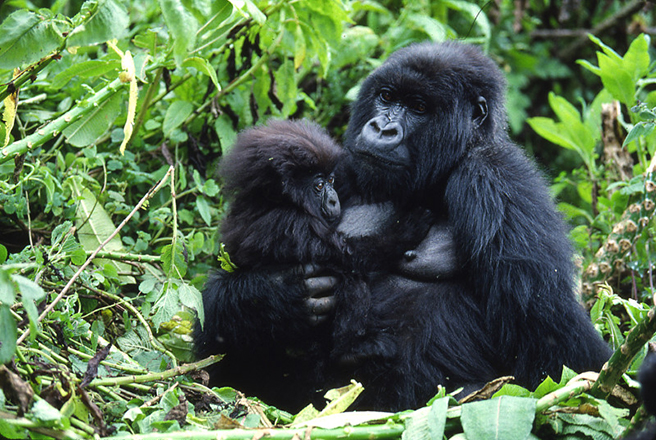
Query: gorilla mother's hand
[
  {"x": 320, "y": 287},
  {"x": 434, "y": 258}
]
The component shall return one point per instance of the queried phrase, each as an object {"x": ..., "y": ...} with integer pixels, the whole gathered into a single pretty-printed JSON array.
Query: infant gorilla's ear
[{"x": 434, "y": 258}]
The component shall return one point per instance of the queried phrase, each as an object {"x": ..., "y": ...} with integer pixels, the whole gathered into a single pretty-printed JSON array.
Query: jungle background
[{"x": 115, "y": 114}]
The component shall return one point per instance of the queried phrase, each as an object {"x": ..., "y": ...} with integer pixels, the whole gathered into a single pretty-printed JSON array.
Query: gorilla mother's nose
[{"x": 382, "y": 132}]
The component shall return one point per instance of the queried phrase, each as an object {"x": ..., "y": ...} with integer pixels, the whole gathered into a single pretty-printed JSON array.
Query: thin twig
[{"x": 574, "y": 49}]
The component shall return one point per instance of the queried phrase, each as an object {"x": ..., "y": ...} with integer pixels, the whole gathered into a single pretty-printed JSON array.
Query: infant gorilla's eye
[
  {"x": 331, "y": 179},
  {"x": 319, "y": 185}
]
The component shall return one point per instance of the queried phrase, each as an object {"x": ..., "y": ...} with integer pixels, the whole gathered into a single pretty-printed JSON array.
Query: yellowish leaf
[{"x": 9, "y": 115}]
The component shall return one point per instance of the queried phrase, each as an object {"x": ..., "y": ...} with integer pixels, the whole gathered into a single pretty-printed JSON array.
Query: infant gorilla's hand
[
  {"x": 320, "y": 287},
  {"x": 434, "y": 258}
]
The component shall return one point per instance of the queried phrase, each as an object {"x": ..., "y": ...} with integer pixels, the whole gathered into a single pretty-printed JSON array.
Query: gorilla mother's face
[{"x": 416, "y": 114}]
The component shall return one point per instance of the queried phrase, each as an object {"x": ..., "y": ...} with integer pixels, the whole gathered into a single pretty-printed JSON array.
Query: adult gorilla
[{"x": 428, "y": 130}]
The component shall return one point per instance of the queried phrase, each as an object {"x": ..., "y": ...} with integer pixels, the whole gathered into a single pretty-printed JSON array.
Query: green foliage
[{"x": 197, "y": 73}]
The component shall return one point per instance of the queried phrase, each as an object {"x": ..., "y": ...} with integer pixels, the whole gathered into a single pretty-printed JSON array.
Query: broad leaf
[
  {"x": 507, "y": 418},
  {"x": 182, "y": 25},
  {"x": 104, "y": 20},
  {"x": 94, "y": 226},
  {"x": 26, "y": 37},
  {"x": 8, "y": 333},
  {"x": 176, "y": 114},
  {"x": 88, "y": 129},
  {"x": 85, "y": 69},
  {"x": 204, "y": 66},
  {"x": 617, "y": 80},
  {"x": 427, "y": 423}
]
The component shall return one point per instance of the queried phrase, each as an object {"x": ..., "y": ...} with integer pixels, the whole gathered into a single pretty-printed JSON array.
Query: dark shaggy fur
[
  {"x": 428, "y": 131},
  {"x": 513, "y": 309},
  {"x": 273, "y": 215},
  {"x": 647, "y": 377},
  {"x": 278, "y": 215}
]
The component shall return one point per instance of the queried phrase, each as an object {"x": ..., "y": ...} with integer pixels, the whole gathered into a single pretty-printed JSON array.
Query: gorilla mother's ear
[{"x": 480, "y": 111}]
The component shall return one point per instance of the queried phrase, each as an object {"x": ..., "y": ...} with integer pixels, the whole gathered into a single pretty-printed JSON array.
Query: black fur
[
  {"x": 283, "y": 210},
  {"x": 513, "y": 309},
  {"x": 647, "y": 377},
  {"x": 427, "y": 131}
]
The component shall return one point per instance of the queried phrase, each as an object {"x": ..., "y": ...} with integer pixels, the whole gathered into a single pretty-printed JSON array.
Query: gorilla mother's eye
[
  {"x": 386, "y": 95},
  {"x": 319, "y": 184},
  {"x": 418, "y": 106},
  {"x": 330, "y": 179}
]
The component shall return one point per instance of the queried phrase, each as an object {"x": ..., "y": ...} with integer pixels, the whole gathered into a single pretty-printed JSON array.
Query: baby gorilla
[
  {"x": 278, "y": 180},
  {"x": 283, "y": 210}
]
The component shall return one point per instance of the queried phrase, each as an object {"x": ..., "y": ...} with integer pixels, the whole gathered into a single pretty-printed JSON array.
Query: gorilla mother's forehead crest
[{"x": 448, "y": 62}]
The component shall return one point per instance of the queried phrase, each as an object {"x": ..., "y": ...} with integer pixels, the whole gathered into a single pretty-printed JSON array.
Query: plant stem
[
  {"x": 620, "y": 360},
  {"x": 151, "y": 377},
  {"x": 54, "y": 127}
]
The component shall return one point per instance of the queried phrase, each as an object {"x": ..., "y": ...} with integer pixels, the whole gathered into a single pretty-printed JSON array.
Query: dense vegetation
[{"x": 115, "y": 114}]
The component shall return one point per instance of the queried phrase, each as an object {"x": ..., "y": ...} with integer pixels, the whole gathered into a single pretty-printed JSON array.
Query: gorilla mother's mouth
[{"x": 376, "y": 160}]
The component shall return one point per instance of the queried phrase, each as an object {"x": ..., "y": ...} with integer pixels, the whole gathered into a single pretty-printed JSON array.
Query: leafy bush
[{"x": 114, "y": 117}]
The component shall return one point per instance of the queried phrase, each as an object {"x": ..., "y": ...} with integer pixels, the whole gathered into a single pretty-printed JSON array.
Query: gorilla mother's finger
[
  {"x": 321, "y": 286},
  {"x": 319, "y": 309},
  {"x": 320, "y": 306}
]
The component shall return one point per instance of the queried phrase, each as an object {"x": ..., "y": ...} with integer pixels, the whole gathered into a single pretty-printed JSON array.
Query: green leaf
[
  {"x": 248, "y": 9},
  {"x": 11, "y": 431},
  {"x": 85, "y": 69},
  {"x": 176, "y": 114},
  {"x": 31, "y": 294},
  {"x": 8, "y": 333},
  {"x": 224, "y": 260},
  {"x": 435, "y": 30},
  {"x": 102, "y": 21},
  {"x": 182, "y": 26},
  {"x": 551, "y": 131},
  {"x": 617, "y": 80},
  {"x": 286, "y": 87},
  {"x": 606, "y": 49},
  {"x": 300, "y": 47},
  {"x": 94, "y": 226},
  {"x": 167, "y": 304},
  {"x": 26, "y": 37},
  {"x": 636, "y": 59},
  {"x": 511, "y": 389},
  {"x": 641, "y": 129},
  {"x": 427, "y": 423},
  {"x": 474, "y": 12},
  {"x": 204, "y": 66},
  {"x": 3, "y": 254},
  {"x": 192, "y": 298},
  {"x": 227, "y": 134},
  {"x": 94, "y": 124},
  {"x": 7, "y": 288},
  {"x": 507, "y": 418},
  {"x": 204, "y": 209},
  {"x": 173, "y": 260},
  {"x": 46, "y": 413}
]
